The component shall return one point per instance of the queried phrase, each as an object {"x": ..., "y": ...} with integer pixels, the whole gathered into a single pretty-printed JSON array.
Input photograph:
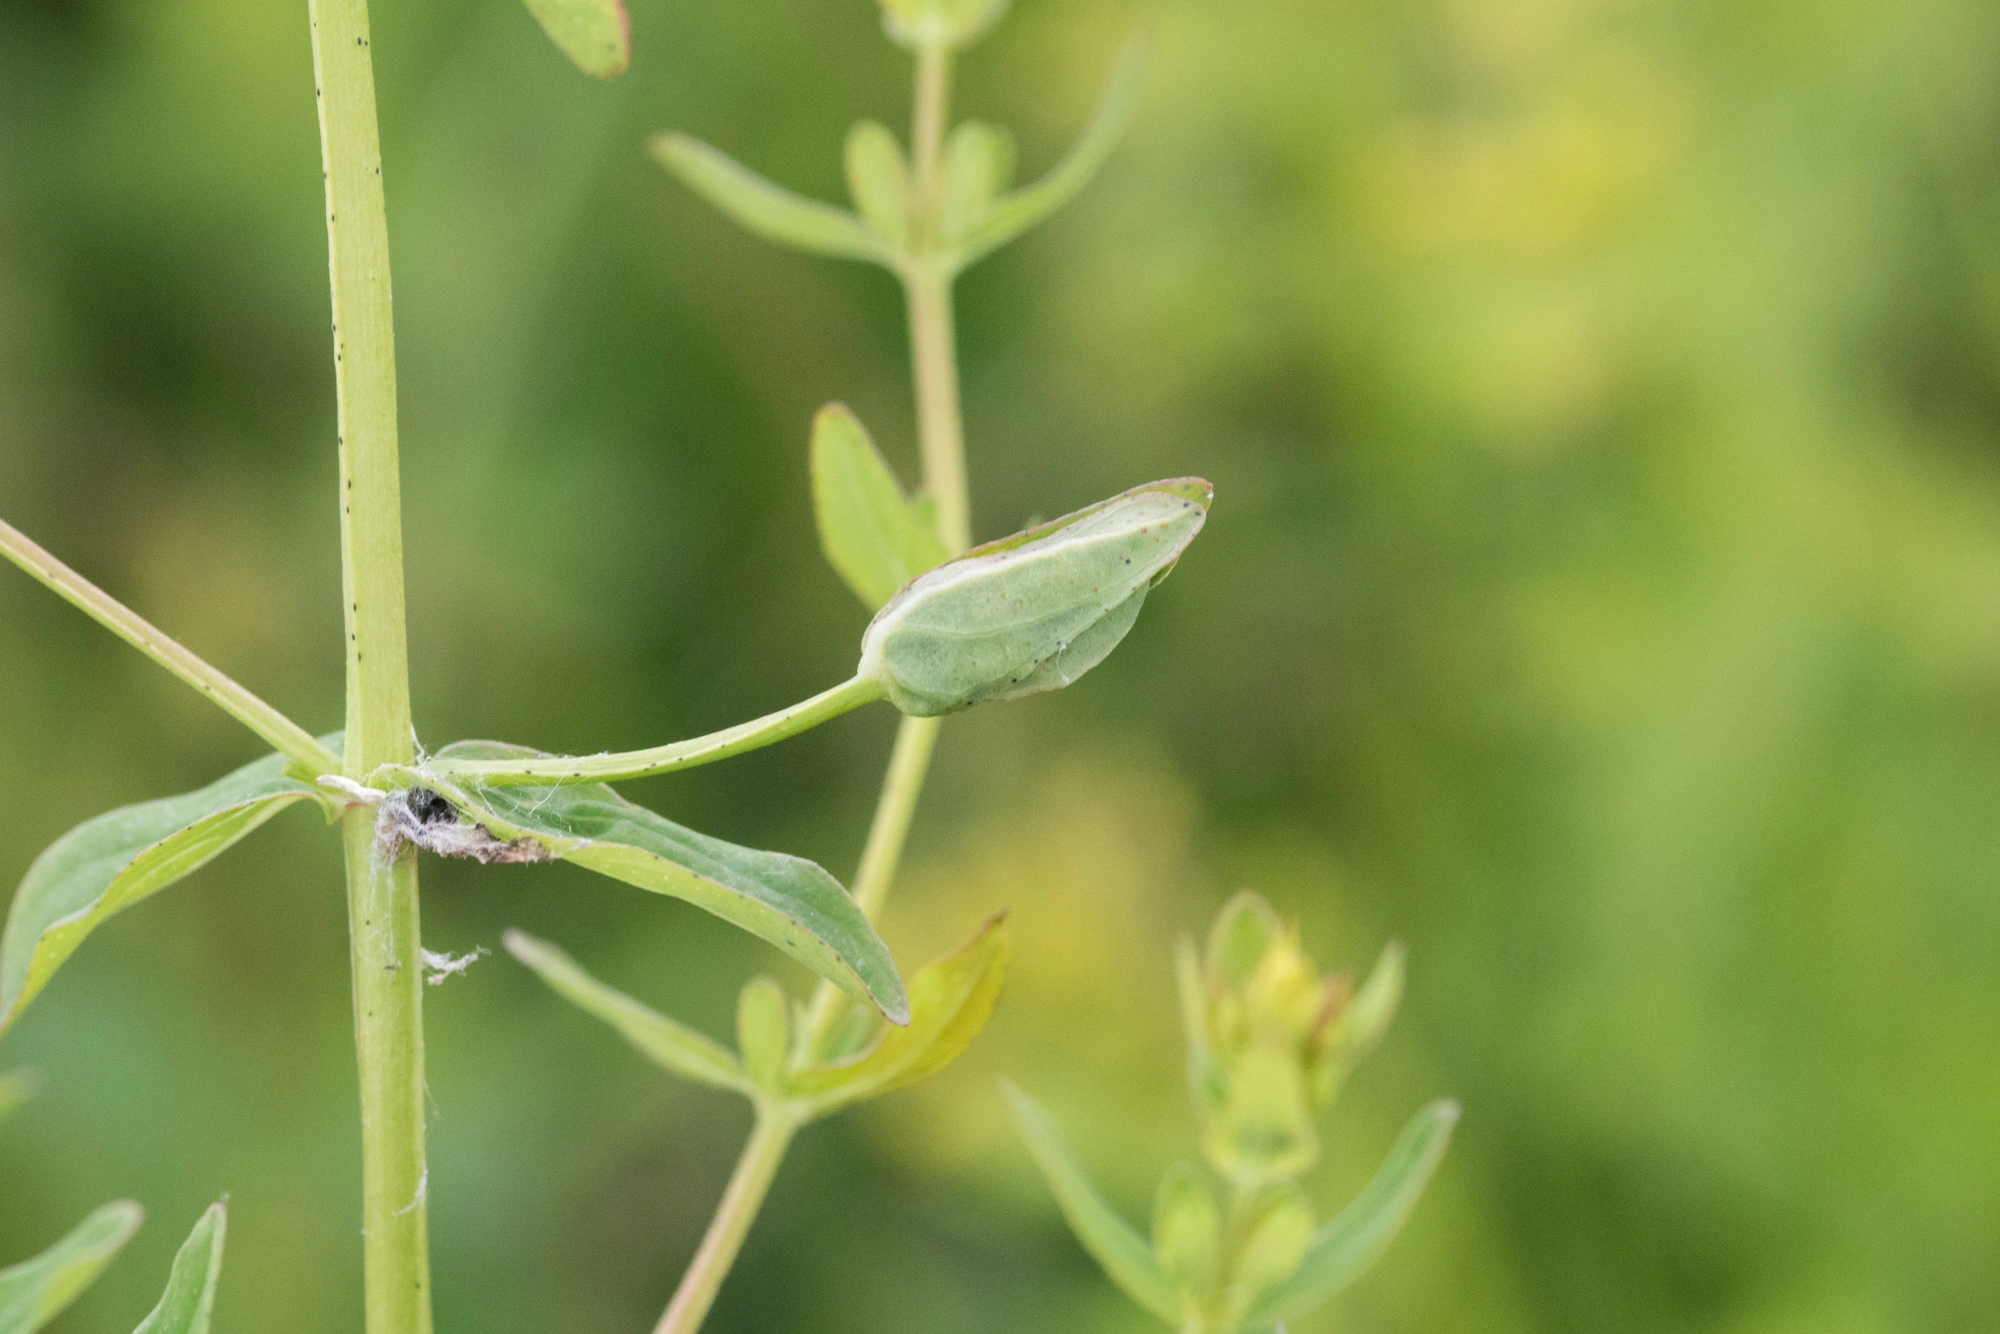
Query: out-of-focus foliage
[{"x": 1603, "y": 395}]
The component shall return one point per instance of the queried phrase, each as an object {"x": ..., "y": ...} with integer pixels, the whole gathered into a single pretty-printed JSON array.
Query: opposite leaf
[
  {"x": 1034, "y": 611},
  {"x": 117, "y": 859},
  {"x": 671, "y": 1044},
  {"x": 1111, "y": 1241},
  {"x": 979, "y": 164},
  {"x": 1013, "y": 214},
  {"x": 874, "y": 536},
  {"x": 596, "y": 34},
  {"x": 769, "y": 210},
  {"x": 788, "y": 901},
  {"x": 950, "y": 1002},
  {"x": 35, "y": 1291},
  {"x": 879, "y": 180},
  {"x": 1339, "y": 1252},
  {"x": 190, "y": 1294}
]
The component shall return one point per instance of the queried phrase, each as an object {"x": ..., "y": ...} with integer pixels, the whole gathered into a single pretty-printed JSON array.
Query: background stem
[
  {"x": 748, "y": 1185},
  {"x": 278, "y": 731},
  {"x": 383, "y": 923},
  {"x": 934, "y": 358}
]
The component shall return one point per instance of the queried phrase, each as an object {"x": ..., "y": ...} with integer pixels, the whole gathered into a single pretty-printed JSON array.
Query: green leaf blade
[
  {"x": 950, "y": 1001},
  {"x": 770, "y": 211},
  {"x": 1341, "y": 1251},
  {"x": 1013, "y": 214},
  {"x": 108, "y": 863},
  {"x": 788, "y": 901},
  {"x": 667, "y": 1042},
  {"x": 874, "y": 536},
  {"x": 36, "y": 1291},
  {"x": 595, "y": 34},
  {"x": 190, "y": 1296},
  {"x": 1124, "y": 1254}
]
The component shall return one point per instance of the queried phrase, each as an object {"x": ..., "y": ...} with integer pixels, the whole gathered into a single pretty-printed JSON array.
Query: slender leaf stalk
[
  {"x": 383, "y": 918},
  {"x": 278, "y": 731},
  {"x": 934, "y": 358},
  {"x": 557, "y": 770}
]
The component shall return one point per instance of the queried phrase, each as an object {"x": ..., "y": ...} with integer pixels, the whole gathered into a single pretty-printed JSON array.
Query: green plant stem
[
  {"x": 927, "y": 281},
  {"x": 748, "y": 1185},
  {"x": 278, "y": 731},
  {"x": 556, "y": 770},
  {"x": 383, "y": 923},
  {"x": 934, "y": 358},
  {"x": 897, "y": 806}
]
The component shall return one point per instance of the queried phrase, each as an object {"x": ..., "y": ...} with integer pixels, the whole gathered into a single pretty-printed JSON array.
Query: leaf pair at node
[
  {"x": 36, "y": 1291},
  {"x": 1269, "y": 1040},
  {"x": 975, "y": 209},
  {"x": 788, "y": 1060}
]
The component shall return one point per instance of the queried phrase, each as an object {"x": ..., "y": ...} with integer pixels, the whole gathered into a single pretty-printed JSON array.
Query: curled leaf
[
  {"x": 950, "y": 1001},
  {"x": 667, "y": 1042},
  {"x": 875, "y": 537},
  {"x": 1343, "y": 1249},
  {"x": 771, "y": 211},
  {"x": 788, "y": 901},
  {"x": 1111, "y": 1241},
  {"x": 111, "y": 862},
  {"x": 595, "y": 34},
  {"x": 1015, "y": 213},
  {"x": 190, "y": 1296},
  {"x": 1034, "y": 611},
  {"x": 36, "y": 1291}
]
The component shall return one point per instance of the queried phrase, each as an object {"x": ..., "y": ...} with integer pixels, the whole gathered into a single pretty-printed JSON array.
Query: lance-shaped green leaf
[
  {"x": 1111, "y": 1241},
  {"x": 875, "y": 537},
  {"x": 1015, "y": 213},
  {"x": 596, "y": 34},
  {"x": 788, "y": 901},
  {"x": 111, "y": 862},
  {"x": 1034, "y": 611},
  {"x": 35, "y": 1291},
  {"x": 1342, "y": 1250},
  {"x": 950, "y": 1001},
  {"x": 669, "y": 1043},
  {"x": 190, "y": 1296},
  {"x": 16, "y": 1087},
  {"x": 771, "y": 211},
  {"x": 879, "y": 180}
]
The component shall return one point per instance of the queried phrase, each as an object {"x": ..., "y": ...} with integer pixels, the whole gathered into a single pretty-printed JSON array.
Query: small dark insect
[{"x": 430, "y": 807}]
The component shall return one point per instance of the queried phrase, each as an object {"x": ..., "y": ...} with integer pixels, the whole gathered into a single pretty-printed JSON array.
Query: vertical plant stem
[
  {"x": 934, "y": 357},
  {"x": 748, "y": 1185},
  {"x": 383, "y": 923},
  {"x": 927, "y": 280}
]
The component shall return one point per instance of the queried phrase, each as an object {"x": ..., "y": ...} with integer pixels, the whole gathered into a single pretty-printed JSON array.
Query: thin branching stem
[
  {"x": 383, "y": 924},
  {"x": 934, "y": 358},
  {"x": 555, "y": 770},
  {"x": 279, "y": 732}
]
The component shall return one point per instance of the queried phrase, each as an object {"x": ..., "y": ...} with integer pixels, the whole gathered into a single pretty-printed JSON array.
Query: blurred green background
[{"x": 1603, "y": 597}]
